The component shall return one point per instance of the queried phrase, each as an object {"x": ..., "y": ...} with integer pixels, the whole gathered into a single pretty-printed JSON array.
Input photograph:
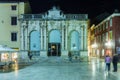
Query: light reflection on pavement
[{"x": 92, "y": 70}]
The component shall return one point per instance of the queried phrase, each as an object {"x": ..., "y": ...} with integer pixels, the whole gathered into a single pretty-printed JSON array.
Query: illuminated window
[
  {"x": 106, "y": 24},
  {"x": 110, "y": 34},
  {"x": 106, "y": 36},
  {"x": 110, "y": 22}
]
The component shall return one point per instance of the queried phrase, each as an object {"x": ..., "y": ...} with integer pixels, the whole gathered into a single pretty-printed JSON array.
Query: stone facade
[{"x": 54, "y": 33}]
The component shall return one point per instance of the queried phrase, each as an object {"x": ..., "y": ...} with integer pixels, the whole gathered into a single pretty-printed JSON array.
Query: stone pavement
[{"x": 58, "y": 69}]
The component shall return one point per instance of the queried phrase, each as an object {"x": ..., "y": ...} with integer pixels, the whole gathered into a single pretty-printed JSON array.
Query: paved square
[{"x": 46, "y": 70}]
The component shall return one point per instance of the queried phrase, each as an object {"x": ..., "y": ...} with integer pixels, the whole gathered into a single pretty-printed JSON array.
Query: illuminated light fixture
[
  {"x": 94, "y": 45},
  {"x": 109, "y": 44}
]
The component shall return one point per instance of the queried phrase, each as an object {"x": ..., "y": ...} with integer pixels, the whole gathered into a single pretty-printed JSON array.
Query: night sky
[{"x": 91, "y": 7}]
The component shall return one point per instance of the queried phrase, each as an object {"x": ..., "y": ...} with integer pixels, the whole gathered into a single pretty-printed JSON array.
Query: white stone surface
[{"x": 48, "y": 69}]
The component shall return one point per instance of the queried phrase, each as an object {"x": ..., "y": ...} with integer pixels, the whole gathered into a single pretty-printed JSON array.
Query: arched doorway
[
  {"x": 54, "y": 43},
  {"x": 35, "y": 41},
  {"x": 74, "y": 41}
]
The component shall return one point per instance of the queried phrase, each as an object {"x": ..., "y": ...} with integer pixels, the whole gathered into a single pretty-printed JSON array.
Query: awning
[{"x": 6, "y": 49}]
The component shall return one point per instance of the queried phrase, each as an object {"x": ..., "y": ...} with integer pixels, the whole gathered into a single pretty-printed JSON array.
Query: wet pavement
[{"x": 58, "y": 69}]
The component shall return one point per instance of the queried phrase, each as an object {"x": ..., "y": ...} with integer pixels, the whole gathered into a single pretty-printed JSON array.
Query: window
[
  {"x": 106, "y": 36},
  {"x": 13, "y": 7},
  {"x": 110, "y": 22},
  {"x": 99, "y": 38},
  {"x": 106, "y": 24},
  {"x": 110, "y": 35},
  {"x": 13, "y": 20},
  {"x": 13, "y": 36},
  {"x": 102, "y": 27},
  {"x": 103, "y": 38}
]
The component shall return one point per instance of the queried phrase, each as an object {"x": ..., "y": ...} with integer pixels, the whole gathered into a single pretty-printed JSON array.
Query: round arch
[
  {"x": 74, "y": 41},
  {"x": 35, "y": 40},
  {"x": 54, "y": 43},
  {"x": 54, "y": 36}
]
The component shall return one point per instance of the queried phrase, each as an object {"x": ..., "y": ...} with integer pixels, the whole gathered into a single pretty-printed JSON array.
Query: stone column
[
  {"x": 26, "y": 39},
  {"x": 85, "y": 38},
  {"x": 82, "y": 39},
  {"x": 62, "y": 38},
  {"x": 66, "y": 38},
  {"x": 41, "y": 38},
  {"x": 40, "y": 34},
  {"x": 22, "y": 35},
  {"x": 45, "y": 38}
]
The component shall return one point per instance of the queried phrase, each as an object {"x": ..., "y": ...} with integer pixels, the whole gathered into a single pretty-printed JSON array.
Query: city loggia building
[{"x": 54, "y": 33}]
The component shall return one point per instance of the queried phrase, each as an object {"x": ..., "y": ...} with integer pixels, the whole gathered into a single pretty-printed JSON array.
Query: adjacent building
[
  {"x": 9, "y": 24},
  {"x": 91, "y": 41},
  {"x": 107, "y": 36},
  {"x": 54, "y": 33}
]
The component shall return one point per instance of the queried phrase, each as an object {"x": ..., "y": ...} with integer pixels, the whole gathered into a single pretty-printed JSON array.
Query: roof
[{"x": 100, "y": 18}]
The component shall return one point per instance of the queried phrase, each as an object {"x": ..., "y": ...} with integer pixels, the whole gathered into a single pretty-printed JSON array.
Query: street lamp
[
  {"x": 94, "y": 45},
  {"x": 108, "y": 44}
]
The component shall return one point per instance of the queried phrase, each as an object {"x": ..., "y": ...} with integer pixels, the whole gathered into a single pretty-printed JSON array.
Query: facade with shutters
[{"x": 9, "y": 24}]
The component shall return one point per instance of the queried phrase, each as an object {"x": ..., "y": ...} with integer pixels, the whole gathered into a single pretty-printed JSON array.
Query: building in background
[
  {"x": 9, "y": 24},
  {"x": 91, "y": 41},
  {"x": 107, "y": 36},
  {"x": 54, "y": 33}
]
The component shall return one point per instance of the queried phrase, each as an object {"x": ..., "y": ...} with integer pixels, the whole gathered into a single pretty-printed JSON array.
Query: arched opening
[
  {"x": 35, "y": 41},
  {"x": 75, "y": 41},
  {"x": 54, "y": 43}
]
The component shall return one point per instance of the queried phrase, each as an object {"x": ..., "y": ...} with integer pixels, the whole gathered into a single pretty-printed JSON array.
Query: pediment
[{"x": 54, "y": 13}]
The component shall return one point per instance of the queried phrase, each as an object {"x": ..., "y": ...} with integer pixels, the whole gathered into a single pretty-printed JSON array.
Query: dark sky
[{"x": 90, "y": 7}]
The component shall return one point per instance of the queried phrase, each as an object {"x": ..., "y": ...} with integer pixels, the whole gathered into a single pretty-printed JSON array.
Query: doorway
[
  {"x": 54, "y": 49},
  {"x": 54, "y": 43}
]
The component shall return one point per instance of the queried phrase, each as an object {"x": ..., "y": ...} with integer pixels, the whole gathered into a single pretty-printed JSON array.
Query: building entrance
[{"x": 54, "y": 49}]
